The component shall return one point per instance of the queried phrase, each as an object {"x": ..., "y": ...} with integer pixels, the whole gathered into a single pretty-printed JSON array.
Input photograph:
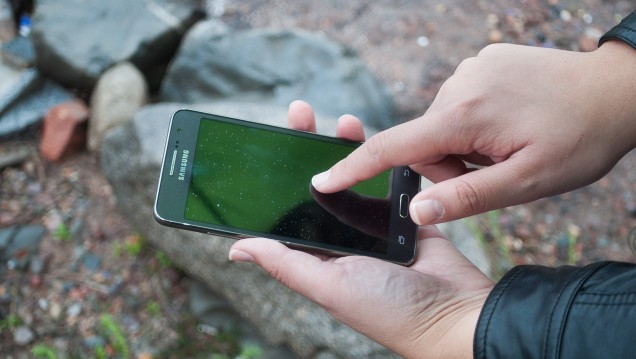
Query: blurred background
[{"x": 86, "y": 88}]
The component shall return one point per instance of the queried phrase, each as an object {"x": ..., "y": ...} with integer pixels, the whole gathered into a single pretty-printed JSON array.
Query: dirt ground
[{"x": 413, "y": 46}]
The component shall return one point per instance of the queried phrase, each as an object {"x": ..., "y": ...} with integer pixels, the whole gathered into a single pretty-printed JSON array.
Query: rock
[
  {"x": 23, "y": 335},
  {"x": 35, "y": 281},
  {"x": 14, "y": 155},
  {"x": 119, "y": 94},
  {"x": 74, "y": 310},
  {"x": 495, "y": 36},
  {"x": 18, "y": 52},
  {"x": 7, "y": 25},
  {"x": 64, "y": 131},
  {"x": 22, "y": 244},
  {"x": 214, "y": 314},
  {"x": 277, "y": 65},
  {"x": 146, "y": 33},
  {"x": 91, "y": 261},
  {"x": 36, "y": 266},
  {"x": 43, "y": 304},
  {"x": 5, "y": 237},
  {"x": 55, "y": 310},
  {"x": 131, "y": 157},
  {"x": 94, "y": 341},
  {"x": 27, "y": 100}
]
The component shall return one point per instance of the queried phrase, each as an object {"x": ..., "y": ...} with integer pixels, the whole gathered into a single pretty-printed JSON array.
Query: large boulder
[
  {"x": 279, "y": 66},
  {"x": 76, "y": 40},
  {"x": 131, "y": 158}
]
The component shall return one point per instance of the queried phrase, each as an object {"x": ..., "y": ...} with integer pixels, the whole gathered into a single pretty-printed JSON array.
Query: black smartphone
[{"x": 240, "y": 179}]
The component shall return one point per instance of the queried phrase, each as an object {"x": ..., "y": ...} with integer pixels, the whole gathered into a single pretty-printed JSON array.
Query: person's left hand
[{"x": 429, "y": 309}]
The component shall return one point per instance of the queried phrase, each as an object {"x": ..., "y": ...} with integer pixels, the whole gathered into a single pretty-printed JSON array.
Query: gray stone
[
  {"x": 145, "y": 33},
  {"x": 91, "y": 261},
  {"x": 36, "y": 265},
  {"x": 23, "y": 335},
  {"x": 15, "y": 155},
  {"x": 277, "y": 65},
  {"x": 131, "y": 157},
  {"x": 23, "y": 239},
  {"x": 28, "y": 101},
  {"x": 214, "y": 314},
  {"x": 118, "y": 95},
  {"x": 19, "y": 52},
  {"x": 15, "y": 84},
  {"x": 7, "y": 25},
  {"x": 74, "y": 310},
  {"x": 5, "y": 237}
]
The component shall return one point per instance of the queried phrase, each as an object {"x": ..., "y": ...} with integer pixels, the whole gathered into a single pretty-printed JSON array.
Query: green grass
[
  {"x": 163, "y": 259},
  {"x": 115, "y": 335},
  {"x": 10, "y": 322},
  {"x": 133, "y": 245},
  {"x": 153, "y": 308},
  {"x": 43, "y": 351},
  {"x": 62, "y": 233}
]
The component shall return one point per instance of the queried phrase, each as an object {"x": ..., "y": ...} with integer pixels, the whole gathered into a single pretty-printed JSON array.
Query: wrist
[
  {"x": 615, "y": 64},
  {"x": 452, "y": 334}
]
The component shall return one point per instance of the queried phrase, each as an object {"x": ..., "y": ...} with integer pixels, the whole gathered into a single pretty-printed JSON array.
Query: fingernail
[
  {"x": 320, "y": 178},
  {"x": 240, "y": 256},
  {"x": 426, "y": 211}
]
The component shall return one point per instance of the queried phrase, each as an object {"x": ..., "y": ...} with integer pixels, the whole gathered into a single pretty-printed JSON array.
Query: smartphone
[{"x": 238, "y": 179}]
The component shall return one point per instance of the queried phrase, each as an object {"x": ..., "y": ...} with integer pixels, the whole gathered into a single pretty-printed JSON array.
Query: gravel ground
[{"x": 93, "y": 265}]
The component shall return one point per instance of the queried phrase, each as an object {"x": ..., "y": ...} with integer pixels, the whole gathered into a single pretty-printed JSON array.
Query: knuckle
[
  {"x": 489, "y": 49},
  {"x": 471, "y": 197},
  {"x": 466, "y": 65},
  {"x": 277, "y": 271},
  {"x": 377, "y": 147}
]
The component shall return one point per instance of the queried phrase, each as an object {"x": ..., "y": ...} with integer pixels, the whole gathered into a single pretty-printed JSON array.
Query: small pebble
[
  {"x": 74, "y": 310},
  {"x": 423, "y": 41},
  {"x": 35, "y": 281},
  {"x": 43, "y": 303},
  {"x": 56, "y": 310},
  {"x": 36, "y": 265},
  {"x": 23, "y": 335}
]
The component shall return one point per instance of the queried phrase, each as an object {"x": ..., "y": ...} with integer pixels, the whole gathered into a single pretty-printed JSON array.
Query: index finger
[{"x": 402, "y": 145}]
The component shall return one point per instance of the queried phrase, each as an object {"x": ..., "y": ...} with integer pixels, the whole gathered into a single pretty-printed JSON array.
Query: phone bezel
[{"x": 172, "y": 192}]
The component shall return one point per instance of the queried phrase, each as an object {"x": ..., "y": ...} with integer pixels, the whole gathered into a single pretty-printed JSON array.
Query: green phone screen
[{"x": 260, "y": 180}]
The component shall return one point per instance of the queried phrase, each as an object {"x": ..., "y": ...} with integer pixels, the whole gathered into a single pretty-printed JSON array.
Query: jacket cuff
[
  {"x": 524, "y": 314},
  {"x": 625, "y": 31}
]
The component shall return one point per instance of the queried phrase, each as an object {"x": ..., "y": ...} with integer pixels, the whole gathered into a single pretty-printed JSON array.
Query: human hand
[
  {"x": 541, "y": 121},
  {"x": 429, "y": 309}
]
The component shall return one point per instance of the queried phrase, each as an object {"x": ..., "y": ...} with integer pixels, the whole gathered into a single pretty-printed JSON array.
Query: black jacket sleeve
[
  {"x": 565, "y": 312},
  {"x": 625, "y": 31}
]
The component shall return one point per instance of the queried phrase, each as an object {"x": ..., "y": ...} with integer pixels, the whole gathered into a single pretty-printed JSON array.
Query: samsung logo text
[{"x": 182, "y": 167}]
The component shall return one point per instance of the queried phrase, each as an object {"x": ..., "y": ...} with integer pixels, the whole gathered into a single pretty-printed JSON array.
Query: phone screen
[{"x": 260, "y": 181}]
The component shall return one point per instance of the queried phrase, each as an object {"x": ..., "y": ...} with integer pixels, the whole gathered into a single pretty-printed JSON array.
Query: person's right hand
[{"x": 541, "y": 121}]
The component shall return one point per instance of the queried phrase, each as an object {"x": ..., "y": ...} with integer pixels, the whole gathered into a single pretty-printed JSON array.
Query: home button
[{"x": 404, "y": 205}]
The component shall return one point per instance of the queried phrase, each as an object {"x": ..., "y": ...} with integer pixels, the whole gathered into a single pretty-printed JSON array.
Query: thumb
[
  {"x": 300, "y": 271},
  {"x": 500, "y": 185}
]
